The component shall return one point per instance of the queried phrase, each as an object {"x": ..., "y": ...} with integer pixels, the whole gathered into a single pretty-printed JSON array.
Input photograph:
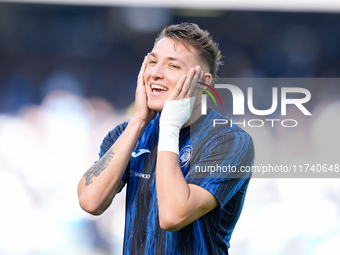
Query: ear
[{"x": 207, "y": 78}]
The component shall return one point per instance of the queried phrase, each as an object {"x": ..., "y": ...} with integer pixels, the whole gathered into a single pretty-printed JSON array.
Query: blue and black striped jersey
[{"x": 207, "y": 156}]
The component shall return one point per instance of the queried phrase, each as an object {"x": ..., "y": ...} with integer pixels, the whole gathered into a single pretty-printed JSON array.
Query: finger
[
  {"x": 201, "y": 82},
  {"x": 140, "y": 79},
  {"x": 198, "y": 84},
  {"x": 187, "y": 83},
  {"x": 190, "y": 90},
  {"x": 177, "y": 90}
]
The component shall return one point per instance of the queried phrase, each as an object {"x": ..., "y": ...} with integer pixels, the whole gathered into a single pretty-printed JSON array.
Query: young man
[{"x": 172, "y": 207}]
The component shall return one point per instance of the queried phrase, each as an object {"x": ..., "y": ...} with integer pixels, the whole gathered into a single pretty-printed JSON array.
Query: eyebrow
[{"x": 170, "y": 58}]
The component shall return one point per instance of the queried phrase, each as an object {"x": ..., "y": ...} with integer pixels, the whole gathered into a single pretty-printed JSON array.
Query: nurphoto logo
[{"x": 239, "y": 99}]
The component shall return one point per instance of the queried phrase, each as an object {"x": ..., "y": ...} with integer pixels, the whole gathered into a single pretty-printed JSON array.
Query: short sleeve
[
  {"x": 109, "y": 140},
  {"x": 221, "y": 163}
]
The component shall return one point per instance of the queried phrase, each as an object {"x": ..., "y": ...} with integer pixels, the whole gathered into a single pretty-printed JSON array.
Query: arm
[
  {"x": 179, "y": 203},
  {"x": 99, "y": 184}
]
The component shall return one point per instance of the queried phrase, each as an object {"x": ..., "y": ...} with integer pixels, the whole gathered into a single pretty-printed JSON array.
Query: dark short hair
[{"x": 192, "y": 34}]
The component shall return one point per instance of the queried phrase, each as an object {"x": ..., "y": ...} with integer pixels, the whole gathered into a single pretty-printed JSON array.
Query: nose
[{"x": 157, "y": 71}]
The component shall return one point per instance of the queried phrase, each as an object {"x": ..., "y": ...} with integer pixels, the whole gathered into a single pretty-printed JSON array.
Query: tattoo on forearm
[{"x": 98, "y": 167}]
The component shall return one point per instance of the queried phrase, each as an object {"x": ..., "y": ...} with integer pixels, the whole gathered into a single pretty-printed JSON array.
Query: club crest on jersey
[{"x": 185, "y": 155}]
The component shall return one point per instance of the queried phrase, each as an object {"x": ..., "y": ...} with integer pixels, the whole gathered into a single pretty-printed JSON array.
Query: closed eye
[{"x": 174, "y": 66}]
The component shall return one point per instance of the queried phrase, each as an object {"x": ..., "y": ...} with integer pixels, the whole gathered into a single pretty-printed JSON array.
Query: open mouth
[{"x": 157, "y": 89}]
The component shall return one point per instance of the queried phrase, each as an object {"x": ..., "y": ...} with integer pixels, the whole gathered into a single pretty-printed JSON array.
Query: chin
[{"x": 156, "y": 106}]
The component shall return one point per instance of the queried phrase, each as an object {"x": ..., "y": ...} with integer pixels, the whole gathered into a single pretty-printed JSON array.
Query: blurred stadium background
[{"x": 68, "y": 75}]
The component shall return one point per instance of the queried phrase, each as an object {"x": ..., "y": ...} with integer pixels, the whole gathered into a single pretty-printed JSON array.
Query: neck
[{"x": 195, "y": 115}]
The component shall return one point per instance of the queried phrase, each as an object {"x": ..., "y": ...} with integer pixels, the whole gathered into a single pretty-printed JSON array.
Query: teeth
[{"x": 154, "y": 86}]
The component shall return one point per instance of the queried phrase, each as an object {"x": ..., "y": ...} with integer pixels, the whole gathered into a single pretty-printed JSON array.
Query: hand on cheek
[
  {"x": 178, "y": 109},
  {"x": 187, "y": 84},
  {"x": 142, "y": 112}
]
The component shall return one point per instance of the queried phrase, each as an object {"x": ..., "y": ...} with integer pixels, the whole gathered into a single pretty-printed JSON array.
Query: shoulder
[
  {"x": 114, "y": 134},
  {"x": 214, "y": 126},
  {"x": 111, "y": 138},
  {"x": 221, "y": 143}
]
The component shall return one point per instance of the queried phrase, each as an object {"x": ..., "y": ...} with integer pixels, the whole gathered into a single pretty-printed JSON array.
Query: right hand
[{"x": 142, "y": 111}]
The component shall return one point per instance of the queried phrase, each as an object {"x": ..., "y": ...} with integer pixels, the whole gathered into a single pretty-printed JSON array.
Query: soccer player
[{"x": 174, "y": 205}]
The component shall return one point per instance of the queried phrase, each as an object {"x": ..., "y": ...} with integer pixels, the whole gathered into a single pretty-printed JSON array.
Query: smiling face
[{"x": 167, "y": 63}]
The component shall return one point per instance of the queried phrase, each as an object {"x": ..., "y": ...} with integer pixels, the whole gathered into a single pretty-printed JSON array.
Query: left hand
[
  {"x": 187, "y": 84},
  {"x": 178, "y": 108}
]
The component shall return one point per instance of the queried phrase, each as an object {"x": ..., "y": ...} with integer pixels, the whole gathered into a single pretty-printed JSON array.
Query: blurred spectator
[{"x": 60, "y": 68}]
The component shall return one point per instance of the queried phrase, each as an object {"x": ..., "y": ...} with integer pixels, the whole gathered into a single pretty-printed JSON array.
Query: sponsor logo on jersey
[
  {"x": 185, "y": 155},
  {"x": 140, "y": 152},
  {"x": 139, "y": 175}
]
